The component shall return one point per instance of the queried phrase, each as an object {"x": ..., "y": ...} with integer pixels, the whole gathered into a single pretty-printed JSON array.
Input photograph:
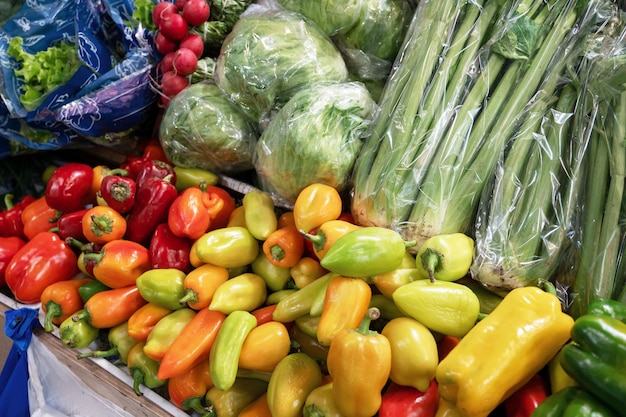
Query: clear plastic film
[
  {"x": 202, "y": 128},
  {"x": 314, "y": 138},
  {"x": 463, "y": 84},
  {"x": 596, "y": 266},
  {"x": 270, "y": 55}
]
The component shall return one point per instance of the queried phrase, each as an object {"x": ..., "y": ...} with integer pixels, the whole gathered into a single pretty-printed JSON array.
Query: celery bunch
[{"x": 459, "y": 93}]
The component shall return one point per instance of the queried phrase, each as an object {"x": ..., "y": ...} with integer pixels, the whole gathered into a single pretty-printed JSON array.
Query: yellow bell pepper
[{"x": 503, "y": 351}]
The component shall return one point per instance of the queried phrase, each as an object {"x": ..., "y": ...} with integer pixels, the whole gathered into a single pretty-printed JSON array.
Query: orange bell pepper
[
  {"x": 37, "y": 217},
  {"x": 284, "y": 247},
  {"x": 142, "y": 321},
  {"x": 200, "y": 285},
  {"x": 192, "y": 345},
  {"x": 265, "y": 346},
  {"x": 345, "y": 303},
  {"x": 102, "y": 224},
  {"x": 61, "y": 300},
  {"x": 191, "y": 213},
  {"x": 324, "y": 236},
  {"x": 316, "y": 204},
  {"x": 120, "y": 262},
  {"x": 43, "y": 260},
  {"x": 187, "y": 390},
  {"x": 109, "y": 308}
]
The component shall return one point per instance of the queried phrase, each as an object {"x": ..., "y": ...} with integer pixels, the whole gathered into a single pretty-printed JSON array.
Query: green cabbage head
[
  {"x": 202, "y": 128},
  {"x": 332, "y": 16},
  {"x": 314, "y": 138},
  {"x": 272, "y": 54}
]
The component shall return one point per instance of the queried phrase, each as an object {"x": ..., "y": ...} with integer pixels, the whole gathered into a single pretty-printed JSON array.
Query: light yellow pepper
[{"x": 503, "y": 351}]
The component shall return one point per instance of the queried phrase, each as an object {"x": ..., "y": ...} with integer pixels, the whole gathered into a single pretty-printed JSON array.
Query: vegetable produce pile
[{"x": 449, "y": 246}]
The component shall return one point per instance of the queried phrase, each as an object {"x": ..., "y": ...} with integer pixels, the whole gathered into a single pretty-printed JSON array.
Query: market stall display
[{"x": 287, "y": 240}]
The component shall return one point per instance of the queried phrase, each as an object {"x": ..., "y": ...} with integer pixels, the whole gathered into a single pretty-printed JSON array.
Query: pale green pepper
[
  {"x": 229, "y": 247},
  {"x": 246, "y": 292},
  {"x": 260, "y": 214},
  {"x": 445, "y": 307},
  {"x": 445, "y": 257}
]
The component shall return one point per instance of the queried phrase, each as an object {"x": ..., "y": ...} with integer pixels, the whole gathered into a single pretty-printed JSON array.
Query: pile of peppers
[{"x": 228, "y": 305}]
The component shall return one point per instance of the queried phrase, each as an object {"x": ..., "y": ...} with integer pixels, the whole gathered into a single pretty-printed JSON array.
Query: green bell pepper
[
  {"x": 88, "y": 290},
  {"x": 604, "y": 336},
  {"x": 572, "y": 402},
  {"x": 77, "y": 334},
  {"x": 612, "y": 308},
  {"x": 120, "y": 343},
  {"x": 224, "y": 357},
  {"x": 365, "y": 252},
  {"x": 164, "y": 287}
]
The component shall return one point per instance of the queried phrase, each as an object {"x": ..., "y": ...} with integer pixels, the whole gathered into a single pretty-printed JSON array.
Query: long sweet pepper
[
  {"x": 192, "y": 177},
  {"x": 260, "y": 214},
  {"x": 200, "y": 285},
  {"x": 284, "y": 246},
  {"x": 291, "y": 382},
  {"x": 143, "y": 369},
  {"x": 299, "y": 302},
  {"x": 70, "y": 225},
  {"x": 276, "y": 277},
  {"x": 43, "y": 260},
  {"x": 61, "y": 300},
  {"x": 193, "y": 344},
  {"x": 188, "y": 389},
  {"x": 265, "y": 346},
  {"x": 231, "y": 402},
  {"x": 359, "y": 362},
  {"x": 77, "y": 334},
  {"x": 163, "y": 287},
  {"x": 119, "y": 345},
  {"x": 229, "y": 247},
  {"x": 477, "y": 383},
  {"x": 111, "y": 307},
  {"x": 324, "y": 237},
  {"x": 143, "y": 320},
  {"x": 166, "y": 331},
  {"x": 246, "y": 292}
]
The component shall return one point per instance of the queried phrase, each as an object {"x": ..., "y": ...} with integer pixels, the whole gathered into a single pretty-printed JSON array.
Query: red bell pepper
[
  {"x": 400, "y": 400},
  {"x": 38, "y": 217},
  {"x": 523, "y": 402},
  {"x": 43, "y": 260},
  {"x": 119, "y": 263},
  {"x": 168, "y": 250},
  {"x": 153, "y": 150},
  {"x": 118, "y": 192},
  {"x": 9, "y": 246},
  {"x": 11, "y": 218},
  {"x": 69, "y": 187},
  {"x": 132, "y": 165},
  {"x": 152, "y": 204},
  {"x": 155, "y": 169},
  {"x": 70, "y": 225}
]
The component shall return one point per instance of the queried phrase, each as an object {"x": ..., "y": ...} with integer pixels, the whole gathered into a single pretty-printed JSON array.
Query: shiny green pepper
[
  {"x": 193, "y": 177},
  {"x": 224, "y": 357},
  {"x": 572, "y": 402},
  {"x": 229, "y": 247},
  {"x": 449, "y": 308},
  {"x": 120, "y": 343},
  {"x": 365, "y": 252},
  {"x": 275, "y": 277},
  {"x": 77, "y": 334},
  {"x": 299, "y": 302},
  {"x": 143, "y": 369},
  {"x": 163, "y": 287},
  {"x": 88, "y": 290},
  {"x": 446, "y": 257},
  {"x": 260, "y": 214}
]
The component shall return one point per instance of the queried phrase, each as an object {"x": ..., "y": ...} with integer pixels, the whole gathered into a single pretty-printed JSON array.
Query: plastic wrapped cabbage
[
  {"x": 202, "y": 128},
  {"x": 314, "y": 138},
  {"x": 270, "y": 55},
  {"x": 332, "y": 16}
]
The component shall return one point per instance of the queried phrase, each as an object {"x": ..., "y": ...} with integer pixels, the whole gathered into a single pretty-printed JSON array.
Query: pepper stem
[
  {"x": 318, "y": 239},
  {"x": 53, "y": 309},
  {"x": 278, "y": 253},
  {"x": 195, "y": 404},
  {"x": 138, "y": 379},
  {"x": 8, "y": 202},
  {"x": 372, "y": 314},
  {"x": 100, "y": 353},
  {"x": 190, "y": 297},
  {"x": 432, "y": 262},
  {"x": 547, "y": 286}
]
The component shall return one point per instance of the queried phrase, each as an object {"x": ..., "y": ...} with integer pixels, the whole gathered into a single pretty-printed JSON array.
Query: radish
[
  {"x": 167, "y": 63},
  {"x": 180, "y": 4},
  {"x": 194, "y": 42},
  {"x": 173, "y": 83},
  {"x": 173, "y": 26},
  {"x": 196, "y": 12},
  {"x": 185, "y": 61},
  {"x": 164, "y": 44},
  {"x": 160, "y": 9}
]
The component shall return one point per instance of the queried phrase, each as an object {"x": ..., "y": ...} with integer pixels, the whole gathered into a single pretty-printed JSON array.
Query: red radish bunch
[{"x": 180, "y": 48}]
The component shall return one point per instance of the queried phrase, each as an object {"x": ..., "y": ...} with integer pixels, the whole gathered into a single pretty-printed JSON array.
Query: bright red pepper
[
  {"x": 523, "y": 402},
  {"x": 118, "y": 192},
  {"x": 400, "y": 400},
  {"x": 119, "y": 263},
  {"x": 168, "y": 250},
  {"x": 11, "y": 218},
  {"x": 38, "y": 217},
  {"x": 70, "y": 225},
  {"x": 69, "y": 187},
  {"x": 155, "y": 169},
  {"x": 152, "y": 204},
  {"x": 154, "y": 151},
  {"x": 9, "y": 246},
  {"x": 133, "y": 165},
  {"x": 43, "y": 260}
]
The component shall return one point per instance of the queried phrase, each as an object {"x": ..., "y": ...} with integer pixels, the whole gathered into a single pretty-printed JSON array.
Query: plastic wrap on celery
[
  {"x": 453, "y": 103},
  {"x": 526, "y": 213},
  {"x": 272, "y": 54},
  {"x": 202, "y": 128},
  {"x": 314, "y": 138}
]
